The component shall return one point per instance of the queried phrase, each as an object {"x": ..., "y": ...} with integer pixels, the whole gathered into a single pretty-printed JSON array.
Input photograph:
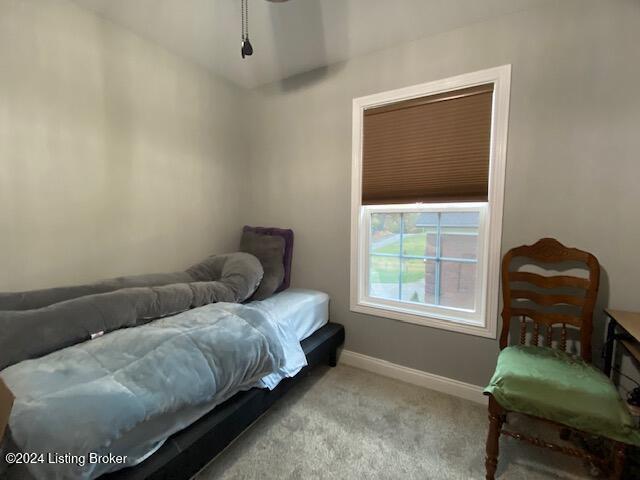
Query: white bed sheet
[{"x": 306, "y": 310}]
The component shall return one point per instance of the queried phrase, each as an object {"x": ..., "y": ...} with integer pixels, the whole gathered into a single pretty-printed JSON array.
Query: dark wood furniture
[
  {"x": 628, "y": 326},
  {"x": 542, "y": 293},
  {"x": 186, "y": 452}
]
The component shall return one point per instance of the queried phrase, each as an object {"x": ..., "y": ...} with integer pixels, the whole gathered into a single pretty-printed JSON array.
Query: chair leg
[
  {"x": 618, "y": 460},
  {"x": 496, "y": 419}
]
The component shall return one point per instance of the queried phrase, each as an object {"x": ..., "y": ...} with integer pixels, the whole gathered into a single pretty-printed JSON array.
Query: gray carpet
[{"x": 345, "y": 423}]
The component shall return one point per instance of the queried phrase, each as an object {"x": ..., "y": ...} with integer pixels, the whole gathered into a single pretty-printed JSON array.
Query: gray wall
[
  {"x": 573, "y": 165},
  {"x": 117, "y": 157}
]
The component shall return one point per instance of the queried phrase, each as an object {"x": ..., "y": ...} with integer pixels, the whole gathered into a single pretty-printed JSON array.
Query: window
[{"x": 428, "y": 174}]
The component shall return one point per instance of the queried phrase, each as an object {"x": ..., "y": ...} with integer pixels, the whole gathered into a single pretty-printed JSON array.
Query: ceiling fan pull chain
[
  {"x": 242, "y": 27},
  {"x": 246, "y": 49}
]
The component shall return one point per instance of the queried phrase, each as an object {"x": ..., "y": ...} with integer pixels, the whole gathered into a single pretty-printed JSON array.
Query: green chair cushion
[{"x": 552, "y": 384}]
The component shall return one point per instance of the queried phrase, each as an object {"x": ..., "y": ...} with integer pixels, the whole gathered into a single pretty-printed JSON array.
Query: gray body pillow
[
  {"x": 29, "y": 332},
  {"x": 236, "y": 269}
]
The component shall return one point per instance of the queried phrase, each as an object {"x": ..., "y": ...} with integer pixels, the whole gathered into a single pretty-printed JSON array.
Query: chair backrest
[{"x": 537, "y": 297}]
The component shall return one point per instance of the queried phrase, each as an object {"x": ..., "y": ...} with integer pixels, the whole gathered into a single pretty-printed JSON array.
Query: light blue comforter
[{"x": 81, "y": 399}]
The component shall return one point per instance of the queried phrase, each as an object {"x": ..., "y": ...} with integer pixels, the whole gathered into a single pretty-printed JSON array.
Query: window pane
[
  {"x": 418, "y": 280},
  {"x": 459, "y": 234},
  {"x": 457, "y": 284},
  {"x": 384, "y": 277},
  {"x": 458, "y": 242},
  {"x": 420, "y": 234},
  {"x": 460, "y": 219},
  {"x": 385, "y": 233}
]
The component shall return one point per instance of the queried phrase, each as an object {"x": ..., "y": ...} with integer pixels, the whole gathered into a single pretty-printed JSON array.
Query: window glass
[
  {"x": 427, "y": 258},
  {"x": 457, "y": 284},
  {"x": 419, "y": 234},
  {"x": 385, "y": 233},
  {"x": 418, "y": 276},
  {"x": 384, "y": 277},
  {"x": 459, "y": 234}
]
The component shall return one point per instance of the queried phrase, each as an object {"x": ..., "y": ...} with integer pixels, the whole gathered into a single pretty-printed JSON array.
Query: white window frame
[{"x": 485, "y": 323}]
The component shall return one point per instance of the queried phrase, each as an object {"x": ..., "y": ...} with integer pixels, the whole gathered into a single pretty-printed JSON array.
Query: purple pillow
[{"x": 287, "y": 235}]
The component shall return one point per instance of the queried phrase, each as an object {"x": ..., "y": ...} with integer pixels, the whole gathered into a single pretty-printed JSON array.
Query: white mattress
[{"x": 306, "y": 310}]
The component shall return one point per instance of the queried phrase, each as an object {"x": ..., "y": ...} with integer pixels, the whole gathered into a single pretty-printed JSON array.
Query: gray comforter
[{"x": 82, "y": 398}]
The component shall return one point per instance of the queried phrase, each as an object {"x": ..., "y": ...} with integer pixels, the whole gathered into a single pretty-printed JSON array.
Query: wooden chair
[{"x": 529, "y": 297}]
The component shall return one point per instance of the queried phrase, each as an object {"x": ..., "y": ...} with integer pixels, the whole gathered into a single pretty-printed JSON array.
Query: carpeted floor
[{"x": 345, "y": 423}]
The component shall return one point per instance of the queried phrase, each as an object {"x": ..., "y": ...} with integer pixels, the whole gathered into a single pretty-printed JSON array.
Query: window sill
[{"x": 395, "y": 313}]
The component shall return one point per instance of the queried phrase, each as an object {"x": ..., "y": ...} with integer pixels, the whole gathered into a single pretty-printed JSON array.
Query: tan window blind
[{"x": 428, "y": 149}]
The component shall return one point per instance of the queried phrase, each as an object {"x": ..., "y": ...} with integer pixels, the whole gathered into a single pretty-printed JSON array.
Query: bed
[
  {"x": 177, "y": 444},
  {"x": 186, "y": 452},
  {"x": 305, "y": 310}
]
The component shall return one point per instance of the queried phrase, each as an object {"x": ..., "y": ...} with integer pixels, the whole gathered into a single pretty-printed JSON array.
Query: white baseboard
[{"x": 413, "y": 376}]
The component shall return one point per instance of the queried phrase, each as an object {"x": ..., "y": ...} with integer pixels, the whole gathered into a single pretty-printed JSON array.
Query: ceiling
[{"x": 294, "y": 36}]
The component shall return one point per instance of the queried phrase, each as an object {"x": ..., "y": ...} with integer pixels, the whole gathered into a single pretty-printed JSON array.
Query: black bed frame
[{"x": 187, "y": 451}]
